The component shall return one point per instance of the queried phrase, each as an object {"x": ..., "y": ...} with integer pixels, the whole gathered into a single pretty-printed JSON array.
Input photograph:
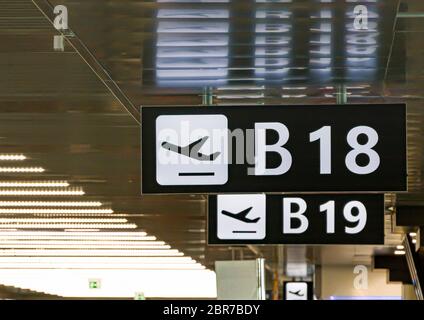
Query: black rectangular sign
[
  {"x": 296, "y": 219},
  {"x": 323, "y": 148}
]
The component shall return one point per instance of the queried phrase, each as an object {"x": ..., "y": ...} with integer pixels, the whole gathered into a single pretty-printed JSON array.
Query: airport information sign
[
  {"x": 302, "y": 148},
  {"x": 296, "y": 219},
  {"x": 298, "y": 290}
]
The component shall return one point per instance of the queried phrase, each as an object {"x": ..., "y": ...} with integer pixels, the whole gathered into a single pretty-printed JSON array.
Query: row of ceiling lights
[
  {"x": 80, "y": 237},
  {"x": 61, "y": 238}
]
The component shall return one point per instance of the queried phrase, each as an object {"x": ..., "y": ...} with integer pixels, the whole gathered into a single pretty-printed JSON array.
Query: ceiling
[{"x": 75, "y": 112}]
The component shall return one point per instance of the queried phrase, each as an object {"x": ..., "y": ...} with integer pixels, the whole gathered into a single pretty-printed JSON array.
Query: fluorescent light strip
[
  {"x": 239, "y": 88},
  {"x": 72, "y": 242},
  {"x": 62, "y": 220},
  {"x": 69, "y": 215},
  {"x": 21, "y": 169},
  {"x": 41, "y": 192},
  {"x": 58, "y": 211},
  {"x": 294, "y": 88},
  {"x": 50, "y": 204},
  {"x": 34, "y": 184},
  {"x": 102, "y": 260},
  {"x": 75, "y": 235},
  {"x": 102, "y": 266},
  {"x": 68, "y": 225},
  {"x": 82, "y": 238},
  {"x": 81, "y": 246},
  {"x": 90, "y": 253},
  {"x": 12, "y": 157},
  {"x": 133, "y": 234},
  {"x": 293, "y": 96},
  {"x": 241, "y": 96}
]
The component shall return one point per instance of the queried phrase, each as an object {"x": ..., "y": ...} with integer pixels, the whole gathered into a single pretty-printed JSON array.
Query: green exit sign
[
  {"x": 94, "y": 284},
  {"x": 139, "y": 296}
]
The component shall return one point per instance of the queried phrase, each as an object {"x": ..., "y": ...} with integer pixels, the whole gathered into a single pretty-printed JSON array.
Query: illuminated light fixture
[
  {"x": 34, "y": 184},
  {"x": 215, "y": 52},
  {"x": 90, "y": 253},
  {"x": 21, "y": 169},
  {"x": 358, "y": 88},
  {"x": 62, "y": 220},
  {"x": 12, "y": 157},
  {"x": 241, "y": 96},
  {"x": 272, "y": 14},
  {"x": 294, "y": 88},
  {"x": 270, "y": 52},
  {"x": 193, "y": 63},
  {"x": 192, "y": 14},
  {"x": 399, "y": 252},
  {"x": 50, "y": 204},
  {"x": 103, "y": 260},
  {"x": 321, "y": 51},
  {"x": 76, "y": 234},
  {"x": 70, "y": 215},
  {"x": 82, "y": 245},
  {"x": 82, "y": 239},
  {"x": 82, "y": 242},
  {"x": 323, "y": 27},
  {"x": 175, "y": 74},
  {"x": 356, "y": 95},
  {"x": 323, "y": 14},
  {"x": 272, "y": 27},
  {"x": 115, "y": 266},
  {"x": 271, "y": 72},
  {"x": 400, "y": 247},
  {"x": 412, "y": 234},
  {"x": 68, "y": 225},
  {"x": 293, "y": 96},
  {"x": 42, "y": 192},
  {"x": 77, "y": 238},
  {"x": 188, "y": 26},
  {"x": 133, "y": 234},
  {"x": 236, "y": 88},
  {"x": 55, "y": 211},
  {"x": 414, "y": 241}
]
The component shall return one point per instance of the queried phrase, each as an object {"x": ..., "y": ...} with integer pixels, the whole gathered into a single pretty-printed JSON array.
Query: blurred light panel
[
  {"x": 50, "y": 204},
  {"x": 21, "y": 169},
  {"x": 12, "y": 157},
  {"x": 192, "y": 45},
  {"x": 34, "y": 184},
  {"x": 42, "y": 192},
  {"x": 273, "y": 43}
]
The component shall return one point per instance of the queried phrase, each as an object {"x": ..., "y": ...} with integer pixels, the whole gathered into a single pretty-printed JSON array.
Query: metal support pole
[
  {"x": 341, "y": 94},
  {"x": 207, "y": 97}
]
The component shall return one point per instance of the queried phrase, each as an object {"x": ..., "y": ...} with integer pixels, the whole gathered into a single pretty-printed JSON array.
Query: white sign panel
[
  {"x": 241, "y": 216},
  {"x": 192, "y": 150},
  {"x": 296, "y": 291}
]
